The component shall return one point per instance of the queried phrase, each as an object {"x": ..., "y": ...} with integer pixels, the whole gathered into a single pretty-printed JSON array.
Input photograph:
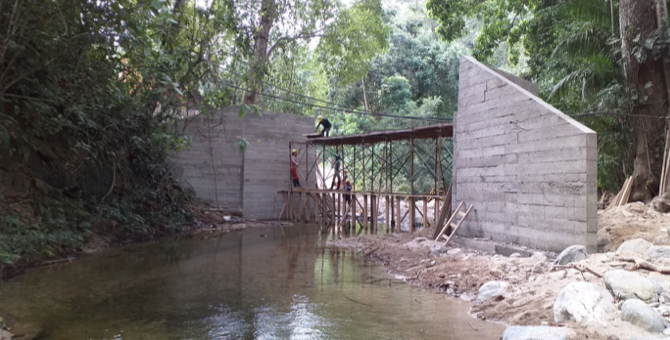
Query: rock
[
  {"x": 636, "y": 247},
  {"x": 628, "y": 285},
  {"x": 454, "y": 251},
  {"x": 661, "y": 203},
  {"x": 4, "y": 335},
  {"x": 537, "y": 333},
  {"x": 437, "y": 250},
  {"x": 584, "y": 302},
  {"x": 570, "y": 254},
  {"x": 538, "y": 255},
  {"x": 238, "y": 226},
  {"x": 659, "y": 252},
  {"x": 492, "y": 289},
  {"x": 662, "y": 280},
  {"x": 538, "y": 268},
  {"x": 603, "y": 239},
  {"x": 515, "y": 255},
  {"x": 640, "y": 314},
  {"x": 27, "y": 331}
]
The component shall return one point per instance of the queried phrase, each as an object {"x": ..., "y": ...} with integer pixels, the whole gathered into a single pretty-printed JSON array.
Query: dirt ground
[{"x": 534, "y": 281}]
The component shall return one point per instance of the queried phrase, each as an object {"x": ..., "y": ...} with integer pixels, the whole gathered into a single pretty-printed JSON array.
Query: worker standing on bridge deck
[
  {"x": 326, "y": 126},
  {"x": 294, "y": 168},
  {"x": 347, "y": 188},
  {"x": 336, "y": 166}
]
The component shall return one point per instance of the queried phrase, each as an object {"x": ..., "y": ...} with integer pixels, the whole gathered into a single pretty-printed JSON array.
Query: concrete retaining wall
[
  {"x": 528, "y": 169},
  {"x": 244, "y": 183}
]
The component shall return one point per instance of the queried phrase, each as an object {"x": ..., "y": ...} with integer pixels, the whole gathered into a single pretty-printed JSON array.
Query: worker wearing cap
[
  {"x": 336, "y": 166},
  {"x": 326, "y": 126},
  {"x": 347, "y": 188},
  {"x": 294, "y": 168}
]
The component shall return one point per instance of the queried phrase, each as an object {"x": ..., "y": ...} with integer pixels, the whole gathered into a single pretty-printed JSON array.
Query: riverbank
[{"x": 583, "y": 293}]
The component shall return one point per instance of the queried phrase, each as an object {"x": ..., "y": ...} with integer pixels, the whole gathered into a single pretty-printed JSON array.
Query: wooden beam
[
  {"x": 425, "y": 214},
  {"x": 386, "y": 215},
  {"x": 398, "y": 220}
]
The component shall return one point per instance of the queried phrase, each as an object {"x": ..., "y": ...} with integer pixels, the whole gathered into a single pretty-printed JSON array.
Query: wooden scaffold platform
[{"x": 383, "y": 167}]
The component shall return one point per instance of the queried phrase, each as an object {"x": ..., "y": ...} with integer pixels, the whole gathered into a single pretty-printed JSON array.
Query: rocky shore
[{"x": 619, "y": 294}]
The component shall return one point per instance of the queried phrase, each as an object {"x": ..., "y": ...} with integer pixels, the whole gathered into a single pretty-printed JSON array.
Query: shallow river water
[{"x": 260, "y": 283}]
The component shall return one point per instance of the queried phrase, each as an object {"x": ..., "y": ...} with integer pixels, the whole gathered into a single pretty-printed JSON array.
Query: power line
[
  {"x": 592, "y": 114},
  {"x": 341, "y": 109},
  {"x": 338, "y": 107}
]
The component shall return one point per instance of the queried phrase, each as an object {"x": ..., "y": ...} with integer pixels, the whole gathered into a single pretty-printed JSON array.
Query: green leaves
[{"x": 242, "y": 143}]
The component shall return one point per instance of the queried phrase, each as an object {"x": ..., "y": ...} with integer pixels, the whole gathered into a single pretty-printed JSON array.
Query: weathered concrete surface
[
  {"x": 528, "y": 169},
  {"x": 245, "y": 183}
]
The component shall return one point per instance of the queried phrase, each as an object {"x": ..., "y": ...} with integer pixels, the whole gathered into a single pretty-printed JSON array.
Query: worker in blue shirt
[{"x": 326, "y": 126}]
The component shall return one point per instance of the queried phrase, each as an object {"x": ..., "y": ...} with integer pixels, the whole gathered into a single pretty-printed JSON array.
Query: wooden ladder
[{"x": 451, "y": 223}]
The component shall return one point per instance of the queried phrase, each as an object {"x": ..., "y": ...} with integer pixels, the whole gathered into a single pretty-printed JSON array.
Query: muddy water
[{"x": 261, "y": 283}]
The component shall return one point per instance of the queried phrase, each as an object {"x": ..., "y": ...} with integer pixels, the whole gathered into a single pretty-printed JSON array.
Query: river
[{"x": 259, "y": 283}]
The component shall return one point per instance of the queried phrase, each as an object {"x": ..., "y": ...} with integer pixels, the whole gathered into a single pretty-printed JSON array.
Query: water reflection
[{"x": 263, "y": 283}]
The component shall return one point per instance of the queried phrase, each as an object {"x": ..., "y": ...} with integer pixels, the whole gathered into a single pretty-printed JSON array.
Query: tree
[{"x": 642, "y": 23}]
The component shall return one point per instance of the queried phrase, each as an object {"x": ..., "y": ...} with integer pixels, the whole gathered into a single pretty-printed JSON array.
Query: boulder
[
  {"x": 4, "y": 335},
  {"x": 570, "y": 254},
  {"x": 627, "y": 285},
  {"x": 662, "y": 280},
  {"x": 584, "y": 302},
  {"x": 538, "y": 255},
  {"x": 659, "y": 252},
  {"x": 635, "y": 247},
  {"x": 537, "y": 333},
  {"x": 603, "y": 239},
  {"x": 640, "y": 314},
  {"x": 661, "y": 203},
  {"x": 492, "y": 289}
]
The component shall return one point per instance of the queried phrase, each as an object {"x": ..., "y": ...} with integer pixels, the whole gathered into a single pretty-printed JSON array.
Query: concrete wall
[
  {"x": 212, "y": 168},
  {"x": 244, "y": 183},
  {"x": 267, "y": 161},
  {"x": 528, "y": 169}
]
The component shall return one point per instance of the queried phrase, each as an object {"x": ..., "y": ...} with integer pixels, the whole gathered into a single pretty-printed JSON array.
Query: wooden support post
[
  {"x": 341, "y": 206},
  {"x": 364, "y": 187},
  {"x": 316, "y": 207},
  {"x": 425, "y": 213},
  {"x": 373, "y": 210},
  {"x": 386, "y": 215},
  {"x": 365, "y": 211},
  {"x": 353, "y": 213},
  {"x": 299, "y": 214},
  {"x": 398, "y": 220},
  {"x": 436, "y": 202},
  {"x": 306, "y": 168},
  {"x": 411, "y": 186},
  {"x": 320, "y": 207},
  {"x": 412, "y": 207}
]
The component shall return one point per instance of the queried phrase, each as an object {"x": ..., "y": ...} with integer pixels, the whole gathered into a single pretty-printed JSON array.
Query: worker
[
  {"x": 294, "y": 168},
  {"x": 347, "y": 188},
  {"x": 336, "y": 167},
  {"x": 326, "y": 126},
  {"x": 345, "y": 175}
]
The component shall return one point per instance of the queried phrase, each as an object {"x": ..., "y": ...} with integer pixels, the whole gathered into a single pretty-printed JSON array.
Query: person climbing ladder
[{"x": 326, "y": 126}]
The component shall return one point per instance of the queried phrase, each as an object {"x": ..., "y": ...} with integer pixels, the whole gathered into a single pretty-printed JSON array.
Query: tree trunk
[
  {"x": 365, "y": 98},
  {"x": 258, "y": 65},
  {"x": 638, "y": 18}
]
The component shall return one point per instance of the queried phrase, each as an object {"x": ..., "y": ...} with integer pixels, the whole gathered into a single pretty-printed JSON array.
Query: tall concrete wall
[
  {"x": 266, "y": 161},
  {"x": 244, "y": 183},
  {"x": 212, "y": 168},
  {"x": 528, "y": 169}
]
